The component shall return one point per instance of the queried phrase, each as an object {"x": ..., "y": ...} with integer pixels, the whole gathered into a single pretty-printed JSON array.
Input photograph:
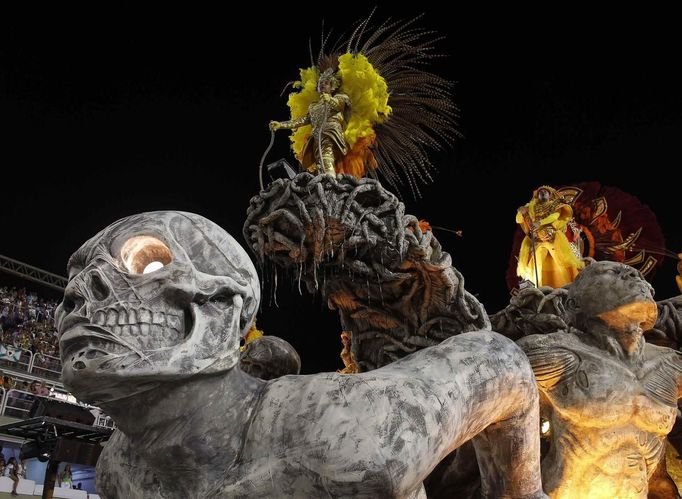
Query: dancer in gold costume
[
  {"x": 367, "y": 104},
  {"x": 547, "y": 257},
  {"x": 328, "y": 117}
]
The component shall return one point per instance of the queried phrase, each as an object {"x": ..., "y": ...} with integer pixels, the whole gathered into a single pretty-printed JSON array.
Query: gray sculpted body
[
  {"x": 191, "y": 424},
  {"x": 378, "y": 434}
]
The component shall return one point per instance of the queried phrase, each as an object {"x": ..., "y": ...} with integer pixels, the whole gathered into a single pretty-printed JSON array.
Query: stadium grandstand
[{"x": 30, "y": 368}]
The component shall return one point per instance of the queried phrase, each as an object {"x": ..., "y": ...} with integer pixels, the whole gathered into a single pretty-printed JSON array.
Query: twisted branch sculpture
[{"x": 394, "y": 287}]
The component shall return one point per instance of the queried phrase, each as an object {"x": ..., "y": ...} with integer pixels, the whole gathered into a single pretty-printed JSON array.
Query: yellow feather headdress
[{"x": 398, "y": 110}]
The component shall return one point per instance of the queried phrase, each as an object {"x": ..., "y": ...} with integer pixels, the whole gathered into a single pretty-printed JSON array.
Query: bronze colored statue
[{"x": 611, "y": 398}]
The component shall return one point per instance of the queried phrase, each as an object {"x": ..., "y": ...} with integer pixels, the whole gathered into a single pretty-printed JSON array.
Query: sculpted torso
[{"x": 608, "y": 418}]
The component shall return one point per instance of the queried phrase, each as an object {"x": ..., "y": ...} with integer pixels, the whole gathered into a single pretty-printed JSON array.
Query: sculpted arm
[{"x": 675, "y": 366}]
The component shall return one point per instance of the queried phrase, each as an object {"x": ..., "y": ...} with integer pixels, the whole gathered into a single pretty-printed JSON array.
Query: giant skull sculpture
[
  {"x": 158, "y": 351},
  {"x": 172, "y": 321}
]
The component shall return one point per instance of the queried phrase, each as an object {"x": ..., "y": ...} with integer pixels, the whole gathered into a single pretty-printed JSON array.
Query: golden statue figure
[
  {"x": 547, "y": 258},
  {"x": 328, "y": 117}
]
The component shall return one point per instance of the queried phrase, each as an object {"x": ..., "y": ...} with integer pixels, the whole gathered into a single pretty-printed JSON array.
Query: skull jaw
[
  {"x": 97, "y": 376},
  {"x": 103, "y": 386},
  {"x": 97, "y": 385}
]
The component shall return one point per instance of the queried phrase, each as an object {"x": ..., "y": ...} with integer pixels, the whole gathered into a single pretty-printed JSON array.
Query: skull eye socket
[{"x": 145, "y": 254}]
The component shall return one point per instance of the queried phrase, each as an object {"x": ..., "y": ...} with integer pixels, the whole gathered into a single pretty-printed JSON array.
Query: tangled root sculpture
[{"x": 350, "y": 240}]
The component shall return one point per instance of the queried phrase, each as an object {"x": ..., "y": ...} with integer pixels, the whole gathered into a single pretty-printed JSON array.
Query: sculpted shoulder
[
  {"x": 552, "y": 356},
  {"x": 653, "y": 352}
]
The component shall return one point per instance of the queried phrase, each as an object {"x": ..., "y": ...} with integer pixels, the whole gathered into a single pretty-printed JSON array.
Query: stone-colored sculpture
[
  {"x": 269, "y": 357},
  {"x": 158, "y": 350},
  {"x": 543, "y": 310},
  {"x": 611, "y": 397},
  {"x": 394, "y": 286},
  {"x": 350, "y": 240}
]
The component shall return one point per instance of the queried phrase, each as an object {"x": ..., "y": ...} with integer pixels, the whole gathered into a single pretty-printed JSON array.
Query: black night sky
[{"x": 100, "y": 123}]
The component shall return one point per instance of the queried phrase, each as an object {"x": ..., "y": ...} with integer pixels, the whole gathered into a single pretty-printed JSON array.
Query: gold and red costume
[
  {"x": 547, "y": 222},
  {"x": 608, "y": 224}
]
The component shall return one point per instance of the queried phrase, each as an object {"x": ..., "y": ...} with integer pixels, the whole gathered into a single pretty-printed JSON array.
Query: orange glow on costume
[{"x": 358, "y": 158}]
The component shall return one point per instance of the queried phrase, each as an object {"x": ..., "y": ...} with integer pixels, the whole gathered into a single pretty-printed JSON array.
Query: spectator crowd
[{"x": 27, "y": 323}]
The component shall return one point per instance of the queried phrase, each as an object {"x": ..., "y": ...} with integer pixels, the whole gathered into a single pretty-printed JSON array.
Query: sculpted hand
[{"x": 275, "y": 125}]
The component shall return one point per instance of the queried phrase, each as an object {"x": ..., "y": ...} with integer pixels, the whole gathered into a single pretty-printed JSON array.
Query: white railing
[
  {"x": 104, "y": 421},
  {"x": 17, "y": 403},
  {"x": 46, "y": 366}
]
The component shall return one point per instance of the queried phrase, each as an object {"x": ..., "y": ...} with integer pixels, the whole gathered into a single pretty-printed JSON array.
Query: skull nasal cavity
[
  {"x": 73, "y": 299},
  {"x": 71, "y": 302},
  {"x": 99, "y": 290}
]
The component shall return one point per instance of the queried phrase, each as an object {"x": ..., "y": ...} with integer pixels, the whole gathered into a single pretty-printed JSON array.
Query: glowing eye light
[
  {"x": 144, "y": 254},
  {"x": 544, "y": 427},
  {"x": 152, "y": 267}
]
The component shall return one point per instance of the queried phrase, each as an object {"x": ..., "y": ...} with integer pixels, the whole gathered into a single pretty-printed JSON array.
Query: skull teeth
[
  {"x": 150, "y": 331},
  {"x": 142, "y": 328},
  {"x": 159, "y": 318},
  {"x": 123, "y": 317}
]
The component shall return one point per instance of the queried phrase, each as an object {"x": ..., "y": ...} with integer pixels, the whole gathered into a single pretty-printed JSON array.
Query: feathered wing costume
[
  {"x": 390, "y": 109},
  {"x": 609, "y": 224}
]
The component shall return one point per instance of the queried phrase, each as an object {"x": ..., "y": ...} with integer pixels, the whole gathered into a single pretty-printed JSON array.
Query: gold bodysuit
[{"x": 328, "y": 118}]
